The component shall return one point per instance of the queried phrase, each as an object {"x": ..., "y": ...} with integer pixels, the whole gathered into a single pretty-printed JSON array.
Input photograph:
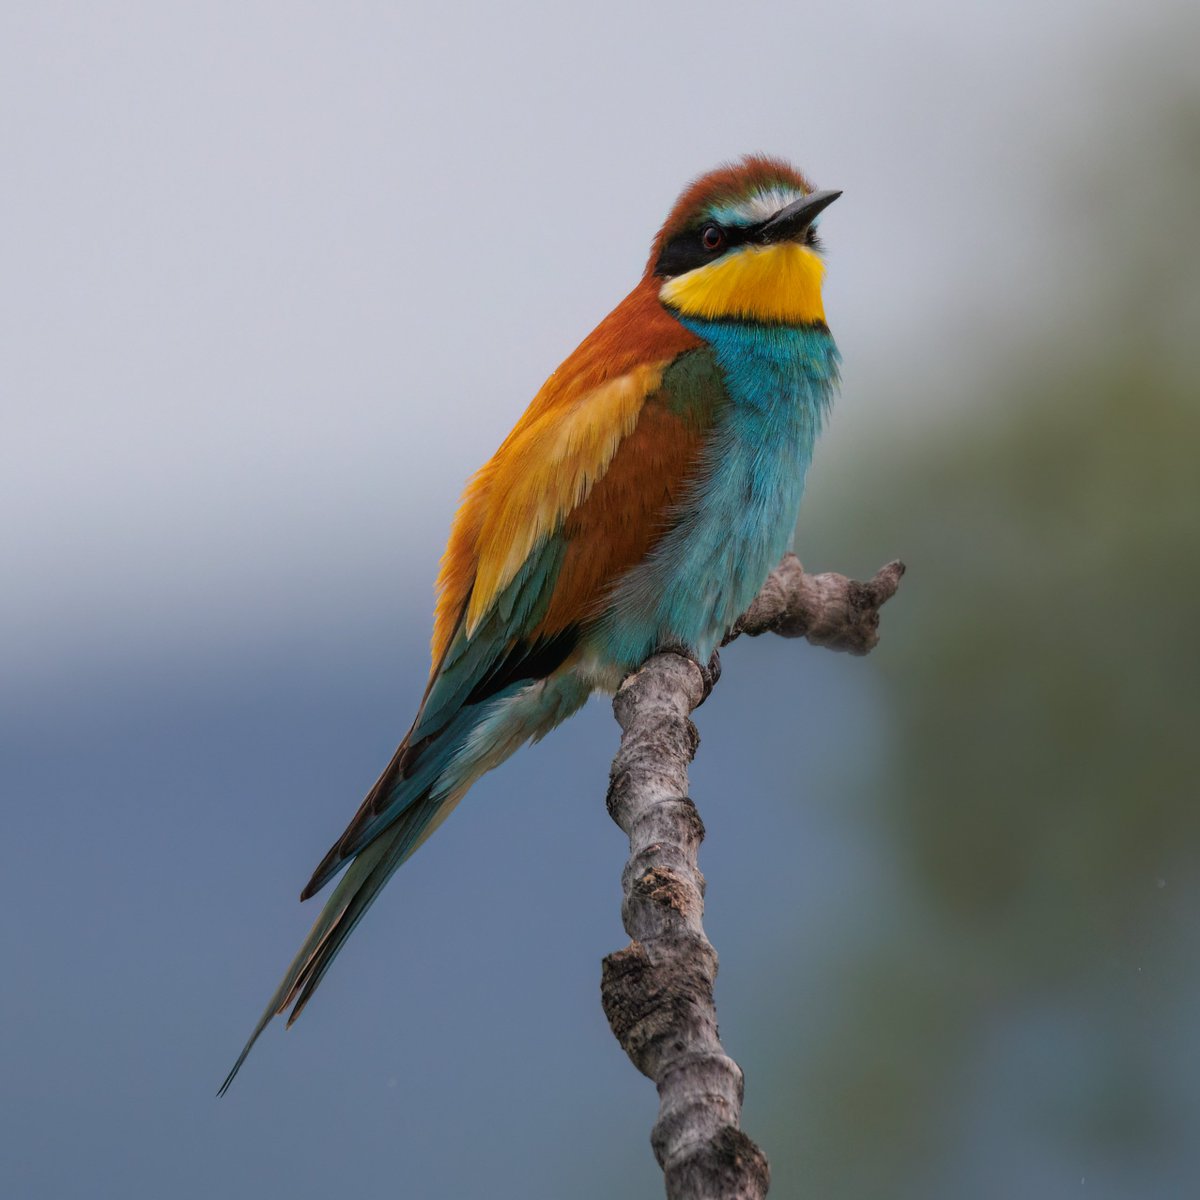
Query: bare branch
[
  {"x": 658, "y": 992},
  {"x": 829, "y": 610}
]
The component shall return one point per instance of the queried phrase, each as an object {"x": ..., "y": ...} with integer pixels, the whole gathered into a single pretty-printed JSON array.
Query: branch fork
[{"x": 658, "y": 992}]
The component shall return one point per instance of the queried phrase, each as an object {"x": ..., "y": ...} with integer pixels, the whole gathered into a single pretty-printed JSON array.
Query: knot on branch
[
  {"x": 649, "y": 1003},
  {"x": 729, "y": 1166},
  {"x": 664, "y": 894},
  {"x": 674, "y": 687},
  {"x": 662, "y": 886}
]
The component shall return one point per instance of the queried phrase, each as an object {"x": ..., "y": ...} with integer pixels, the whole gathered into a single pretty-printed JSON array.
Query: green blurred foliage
[{"x": 1018, "y": 1016}]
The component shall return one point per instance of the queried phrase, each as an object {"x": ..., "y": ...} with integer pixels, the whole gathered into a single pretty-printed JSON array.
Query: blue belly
[{"x": 739, "y": 520}]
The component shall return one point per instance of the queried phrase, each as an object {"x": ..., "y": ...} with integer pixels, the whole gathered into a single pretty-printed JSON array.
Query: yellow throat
[{"x": 780, "y": 284}]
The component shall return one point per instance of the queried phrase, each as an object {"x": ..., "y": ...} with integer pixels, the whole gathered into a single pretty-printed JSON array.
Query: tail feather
[
  {"x": 415, "y": 771},
  {"x": 346, "y": 906},
  {"x": 340, "y": 852},
  {"x": 402, "y": 841},
  {"x": 475, "y": 742},
  {"x": 346, "y": 890}
]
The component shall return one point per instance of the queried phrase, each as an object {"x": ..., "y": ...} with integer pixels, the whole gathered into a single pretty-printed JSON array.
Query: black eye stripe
[{"x": 687, "y": 250}]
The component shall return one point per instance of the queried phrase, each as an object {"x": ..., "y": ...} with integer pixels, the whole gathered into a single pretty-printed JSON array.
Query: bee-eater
[{"x": 640, "y": 502}]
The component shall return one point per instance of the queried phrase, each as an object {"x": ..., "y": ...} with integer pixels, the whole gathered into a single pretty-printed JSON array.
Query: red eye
[{"x": 712, "y": 237}]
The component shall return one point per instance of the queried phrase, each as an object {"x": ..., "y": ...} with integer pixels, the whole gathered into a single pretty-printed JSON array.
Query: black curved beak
[{"x": 789, "y": 223}]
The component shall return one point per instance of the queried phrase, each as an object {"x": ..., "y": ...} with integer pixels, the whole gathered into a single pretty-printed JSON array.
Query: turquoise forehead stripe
[{"x": 755, "y": 206}]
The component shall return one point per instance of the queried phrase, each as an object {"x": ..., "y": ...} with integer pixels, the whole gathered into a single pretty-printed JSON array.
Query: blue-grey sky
[{"x": 274, "y": 278}]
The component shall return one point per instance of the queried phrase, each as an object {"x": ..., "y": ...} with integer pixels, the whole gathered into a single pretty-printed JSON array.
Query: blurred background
[{"x": 275, "y": 279}]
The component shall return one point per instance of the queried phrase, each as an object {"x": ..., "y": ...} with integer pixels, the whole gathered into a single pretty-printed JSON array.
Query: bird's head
[{"x": 740, "y": 244}]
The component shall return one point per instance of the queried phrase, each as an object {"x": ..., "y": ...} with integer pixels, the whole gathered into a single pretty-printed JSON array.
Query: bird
[{"x": 639, "y": 503}]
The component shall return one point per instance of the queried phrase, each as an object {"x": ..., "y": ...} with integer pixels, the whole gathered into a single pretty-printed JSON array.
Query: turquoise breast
[{"x": 739, "y": 519}]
